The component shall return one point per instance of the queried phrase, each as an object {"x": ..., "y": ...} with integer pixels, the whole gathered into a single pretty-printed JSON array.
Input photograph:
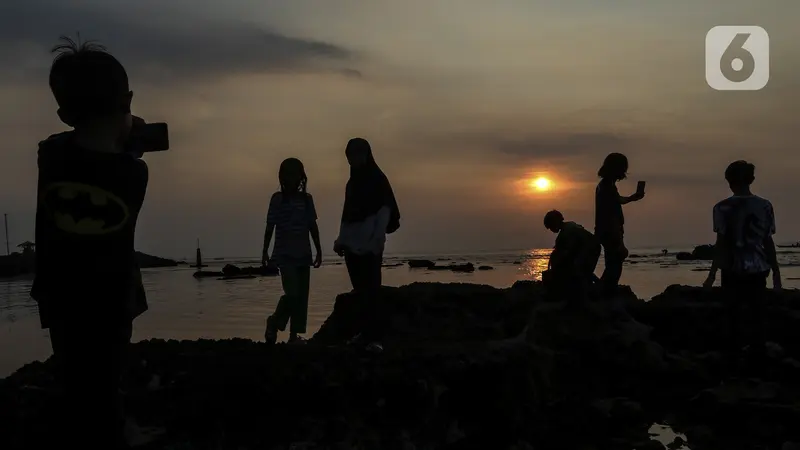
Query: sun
[{"x": 541, "y": 184}]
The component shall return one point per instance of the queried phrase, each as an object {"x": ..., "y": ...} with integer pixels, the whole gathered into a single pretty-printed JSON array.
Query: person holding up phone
[
  {"x": 88, "y": 286},
  {"x": 609, "y": 220}
]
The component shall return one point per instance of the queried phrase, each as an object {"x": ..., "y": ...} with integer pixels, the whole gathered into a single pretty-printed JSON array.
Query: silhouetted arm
[
  {"x": 267, "y": 238},
  {"x": 719, "y": 255},
  {"x": 769, "y": 249},
  {"x": 772, "y": 255},
  {"x": 315, "y": 237},
  {"x": 313, "y": 227},
  {"x": 631, "y": 198},
  {"x": 720, "y": 246},
  {"x": 270, "y": 228}
]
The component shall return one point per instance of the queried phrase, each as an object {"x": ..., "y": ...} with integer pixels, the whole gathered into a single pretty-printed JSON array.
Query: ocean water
[{"x": 182, "y": 307}]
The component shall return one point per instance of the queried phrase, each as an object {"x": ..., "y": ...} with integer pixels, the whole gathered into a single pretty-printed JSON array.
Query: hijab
[{"x": 368, "y": 190}]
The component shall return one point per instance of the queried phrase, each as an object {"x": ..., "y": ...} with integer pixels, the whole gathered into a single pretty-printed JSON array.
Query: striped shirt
[{"x": 292, "y": 218}]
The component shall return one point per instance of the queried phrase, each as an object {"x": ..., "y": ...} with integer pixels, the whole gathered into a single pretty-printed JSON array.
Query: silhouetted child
[
  {"x": 292, "y": 216},
  {"x": 370, "y": 213},
  {"x": 609, "y": 221},
  {"x": 745, "y": 253},
  {"x": 88, "y": 286},
  {"x": 574, "y": 257}
]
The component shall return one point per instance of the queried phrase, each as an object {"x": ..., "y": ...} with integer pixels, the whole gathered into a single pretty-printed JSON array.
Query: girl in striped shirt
[{"x": 292, "y": 217}]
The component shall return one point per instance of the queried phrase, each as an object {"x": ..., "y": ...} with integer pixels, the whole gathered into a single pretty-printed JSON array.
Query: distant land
[{"x": 18, "y": 264}]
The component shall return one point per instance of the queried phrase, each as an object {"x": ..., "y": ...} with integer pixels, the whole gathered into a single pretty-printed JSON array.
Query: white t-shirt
[
  {"x": 367, "y": 236},
  {"x": 745, "y": 222}
]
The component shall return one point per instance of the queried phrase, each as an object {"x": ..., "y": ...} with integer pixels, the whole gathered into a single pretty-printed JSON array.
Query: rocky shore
[{"x": 464, "y": 367}]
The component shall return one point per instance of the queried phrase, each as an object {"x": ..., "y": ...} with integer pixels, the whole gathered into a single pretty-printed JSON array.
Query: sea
[{"x": 182, "y": 307}]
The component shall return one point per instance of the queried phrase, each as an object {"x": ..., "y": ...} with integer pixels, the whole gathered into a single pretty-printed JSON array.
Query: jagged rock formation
[{"x": 465, "y": 366}]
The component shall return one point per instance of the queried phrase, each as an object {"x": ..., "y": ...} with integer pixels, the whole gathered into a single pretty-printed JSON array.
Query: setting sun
[{"x": 541, "y": 184}]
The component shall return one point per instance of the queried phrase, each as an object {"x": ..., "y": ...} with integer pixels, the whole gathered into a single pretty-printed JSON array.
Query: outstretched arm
[{"x": 631, "y": 198}]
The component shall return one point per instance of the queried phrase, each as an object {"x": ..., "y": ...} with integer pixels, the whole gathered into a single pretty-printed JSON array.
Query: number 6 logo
[{"x": 737, "y": 58}]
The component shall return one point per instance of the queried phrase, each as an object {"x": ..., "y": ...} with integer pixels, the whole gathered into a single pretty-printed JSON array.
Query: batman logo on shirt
[{"x": 83, "y": 209}]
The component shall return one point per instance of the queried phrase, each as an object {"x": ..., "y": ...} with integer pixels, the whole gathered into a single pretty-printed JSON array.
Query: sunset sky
[{"x": 462, "y": 100}]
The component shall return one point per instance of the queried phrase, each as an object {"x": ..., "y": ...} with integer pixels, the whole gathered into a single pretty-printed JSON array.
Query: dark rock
[
  {"x": 15, "y": 264},
  {"x": 464, "y": 366},
  {"x": 703, "y": 319},
  {"x": 468, "y": 267},
  {"x": 146, "y": 261},
  {"x": 677, "y": 444},
  {"x": 485, "y": 268},
  {"x": 232, "y": 272},
  {"x": 420, "y": 264},
  {"x": 208, "y": 274},
  {"x": 701, "y": 252},
  {"x": 431, "y": 265},
  {"x": 18, "y": 264}
]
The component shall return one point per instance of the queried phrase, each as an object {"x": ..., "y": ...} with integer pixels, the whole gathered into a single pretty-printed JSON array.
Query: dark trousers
[
  {"x": 745, "y": 303},
  {"x": 90, "y": 359},
  {"x": 293, "y": 304},
  {"x": 613, "y": 262},
  {"x": 365, "y": 276}
]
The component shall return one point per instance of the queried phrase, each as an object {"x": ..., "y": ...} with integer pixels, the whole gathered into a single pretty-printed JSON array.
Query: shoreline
[
  {"x": 468, "y": 365},
  {"x": 22, "y": 264}
]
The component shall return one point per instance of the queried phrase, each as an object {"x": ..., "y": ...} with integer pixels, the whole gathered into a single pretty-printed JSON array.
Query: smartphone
[
  {"x": 149, "y": 137},
  {"x": 640, "y": 187}
]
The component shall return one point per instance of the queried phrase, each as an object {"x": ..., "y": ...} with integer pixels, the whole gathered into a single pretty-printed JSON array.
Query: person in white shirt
[
  {"x": 745, "y": 253},
  {"x": 370, "y": 213}
]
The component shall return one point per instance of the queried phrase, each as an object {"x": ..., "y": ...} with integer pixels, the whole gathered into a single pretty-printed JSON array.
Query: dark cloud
[
  {"x": 564, "y": 145},
  {"x": 161, "y": 41},
  {"x": 520, "y": 147}
]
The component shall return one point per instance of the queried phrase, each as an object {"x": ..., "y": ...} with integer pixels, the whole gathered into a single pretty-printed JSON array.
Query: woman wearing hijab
[{"x": 370, "y": 213}]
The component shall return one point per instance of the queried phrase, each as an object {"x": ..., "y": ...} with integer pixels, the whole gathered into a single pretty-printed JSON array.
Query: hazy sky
[{"x": 461, "y": 100}]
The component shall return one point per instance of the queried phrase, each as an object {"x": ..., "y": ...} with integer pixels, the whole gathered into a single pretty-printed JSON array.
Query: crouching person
[{"x": 573, "y": 260}]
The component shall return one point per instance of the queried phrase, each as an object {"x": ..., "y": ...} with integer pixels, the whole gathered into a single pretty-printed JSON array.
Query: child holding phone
[
  {"x": 88, "y": 286},
  {"x": 292, "y": 216},
  {"x": 609, "y": 220}
]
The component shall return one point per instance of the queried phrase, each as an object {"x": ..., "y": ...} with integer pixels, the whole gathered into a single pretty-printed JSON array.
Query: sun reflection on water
[{"x": 534, "y": 263}]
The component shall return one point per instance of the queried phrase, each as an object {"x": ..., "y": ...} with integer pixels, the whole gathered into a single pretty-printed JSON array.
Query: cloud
[
  {"x": 160, "y": 42},
  {"x": 565, "y": 145}
]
